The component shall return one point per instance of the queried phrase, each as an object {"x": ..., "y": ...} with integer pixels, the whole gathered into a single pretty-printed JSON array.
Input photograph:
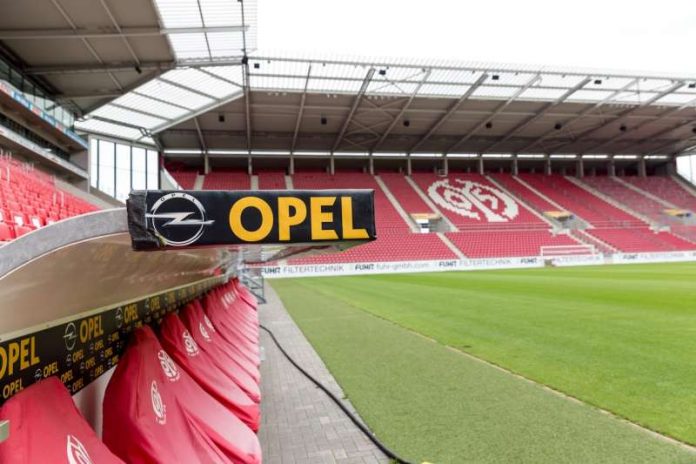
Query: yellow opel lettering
[
  {"x": 3, "y": 362},
  {"x": 90, "y": 328},
  {"x": 320, "y": 217},
  {"x": 287, "y": 220},
  {"x": 13, "y": 358},
  {"x": 347, "y": 214},
  {"x": 238, "y": 228},
  {"x": 28, "y": 358}
]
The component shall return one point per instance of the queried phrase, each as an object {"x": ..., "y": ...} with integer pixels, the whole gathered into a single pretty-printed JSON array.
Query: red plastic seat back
[{"x": 46, "y": 427}]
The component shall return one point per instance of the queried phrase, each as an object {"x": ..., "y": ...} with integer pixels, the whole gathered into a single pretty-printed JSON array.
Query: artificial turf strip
[{"x": 429, "y": 402}]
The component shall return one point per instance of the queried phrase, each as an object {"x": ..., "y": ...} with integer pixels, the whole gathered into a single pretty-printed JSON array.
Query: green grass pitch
[{"x": 622, "y": 338}]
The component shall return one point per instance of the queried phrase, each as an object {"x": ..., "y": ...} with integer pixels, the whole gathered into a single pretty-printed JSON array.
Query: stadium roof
[
  {"x": 89, "y": 52},
  {"x": 171, "y": 73}
]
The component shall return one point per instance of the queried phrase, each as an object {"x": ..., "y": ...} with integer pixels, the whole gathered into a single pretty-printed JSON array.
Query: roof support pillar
[
  {"x": 206, "y": 163},
  {"x": 611, "y": 167},
  {"x": 580, "y": 167},
  {"x": 409, "y": 169},
  {"x": 445, "y": 165},
  {"x": 642, "y": 170},
  {"x": 672, "y": 167},
  {"x": 515, "y": 166},
  {"x": 332, "y": 165},
  {"x": 372, "y": 165},
  {"x": 481, "y": 167},
  {"x": 291, "y": 167},
  {"x": 250, "y": 167},
  {"x": 547, "y": 166}
]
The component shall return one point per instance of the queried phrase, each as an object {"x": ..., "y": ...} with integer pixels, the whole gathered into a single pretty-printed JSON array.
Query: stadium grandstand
[{"x": 125, "y": 338}]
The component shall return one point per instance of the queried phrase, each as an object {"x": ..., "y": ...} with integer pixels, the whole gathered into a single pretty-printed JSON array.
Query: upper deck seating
[{"x": 46, "y": 427}]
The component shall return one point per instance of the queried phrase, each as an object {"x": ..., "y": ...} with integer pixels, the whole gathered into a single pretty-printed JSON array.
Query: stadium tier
[
  {"x": 525, "y": 193},
  {"x": 186, "y": 179},
  {"x": 386, "y": 215},
  {"x": 641, "y": 239},
  {"x": 500, "y": 243},
  {"x": 404, "y": 192},
  {"x": 227, "y": 180},
  {"x": 667, "y": 189},
  {"x": 29, "y": 200},
  {"x": 272, "y": 180},
  {"x": 631, "y": 199},
  {"x": 472, "y": 202},
  {"x": 581, "y": 202},
  {"x": 493, "y": 215}
]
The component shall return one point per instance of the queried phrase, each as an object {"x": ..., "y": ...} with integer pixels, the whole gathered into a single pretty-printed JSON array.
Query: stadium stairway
[
  {"x": 396, "y": 204},
  {"x": 520, "y": 200},
  {"x": 581, "y": 202},
  {"x": 601, "y": 246},
  {"x": 536, "y": 198},
  {"x": 428, "y": 202},
  {"x": 655, "y": 198},
  {"x": 669, "y": 189}
]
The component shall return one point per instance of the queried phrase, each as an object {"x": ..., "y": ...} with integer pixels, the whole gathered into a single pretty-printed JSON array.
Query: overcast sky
[{"x": 635, "y": 35}]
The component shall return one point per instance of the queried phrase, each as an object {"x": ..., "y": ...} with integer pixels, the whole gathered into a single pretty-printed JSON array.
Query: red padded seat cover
[
  {"x": 205, "y": 334},
  {"x": 181, "y": 346},
  {"x": 46, "y": 427},
  {"x": 229, "y": 330},
  {"x": 243, "y": 345},
  {"x": 244, "y": 292},
  {"x": 232, "y": 436},
  {"x": 230, "y": 334},
  {"x": 237, "y": 312},
  {"x": 144, "y": 424}
]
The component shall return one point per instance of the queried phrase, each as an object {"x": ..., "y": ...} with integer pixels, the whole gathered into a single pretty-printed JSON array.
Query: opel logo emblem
[{"x": 178, "y": 219}]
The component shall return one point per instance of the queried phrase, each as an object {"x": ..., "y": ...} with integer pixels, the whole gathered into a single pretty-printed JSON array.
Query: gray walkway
[{"x": 300, "y": 424}]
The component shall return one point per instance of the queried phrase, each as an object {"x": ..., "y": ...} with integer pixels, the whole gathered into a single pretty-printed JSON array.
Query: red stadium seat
[
  {"x": 6, "y": 232},
  {"x": 144, "y": 423},
  {"x": 181, "y": 346},
  {"x": 232, "y": 436},
  {"x": 244, "y": 293},
  {"x": 46, "y": 427},
  {"x": 205, "y": 334},
  {"x": 21, "y": 230},
  {"x": 229, "y": 328}
]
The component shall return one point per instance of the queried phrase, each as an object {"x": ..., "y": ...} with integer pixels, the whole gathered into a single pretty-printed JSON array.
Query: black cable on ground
[{"x": 389, "y": 453}]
